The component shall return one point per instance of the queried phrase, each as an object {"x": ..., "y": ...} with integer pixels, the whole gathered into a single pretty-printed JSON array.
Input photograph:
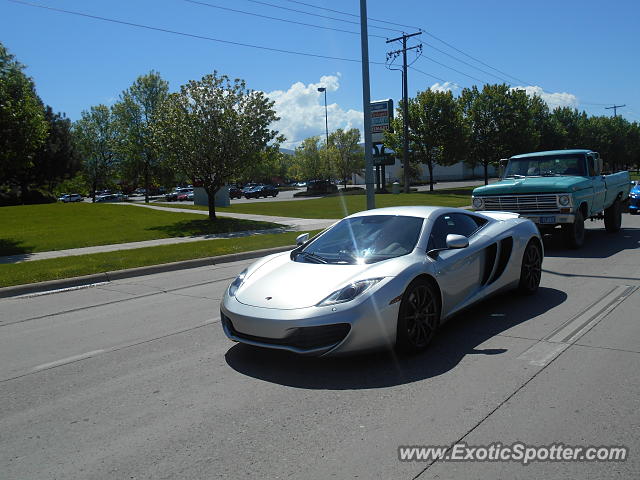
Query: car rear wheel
[
  {"x": 574, "y": 232},
  {"x": 419, "y": 317},
  {"x": 531, "y": 269},
  {"x": 613, "y": 217}
]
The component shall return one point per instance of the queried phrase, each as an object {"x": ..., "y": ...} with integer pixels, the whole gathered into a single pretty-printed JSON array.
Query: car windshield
[
  {"x": 545, "y": 166},
  {"x": 366, "y": 239}
]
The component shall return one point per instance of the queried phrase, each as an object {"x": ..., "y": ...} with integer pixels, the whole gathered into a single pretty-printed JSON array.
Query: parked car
[
  {"x": 558, "y": 188},
  {"x": 235, "y": 192},
  {"x": 70, "y": 198},
  {"x": 185, "y": 194},
  {"x": 111, "y": 197},
  {"x": 321, "y": 187},
  {"x": 261, "y": 191},
  {"x": 381, "y": 277},
  {"x": 173, "y": 196},
  {"x": 634, "y": 198}
]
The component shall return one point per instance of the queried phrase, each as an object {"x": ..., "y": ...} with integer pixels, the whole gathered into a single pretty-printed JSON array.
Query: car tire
[
  {"x": 574, "y": 232},
  {"x": 530, "y": 269},
  {"x": 613, "y": 217},
  {"x": 419, "y": 316}
]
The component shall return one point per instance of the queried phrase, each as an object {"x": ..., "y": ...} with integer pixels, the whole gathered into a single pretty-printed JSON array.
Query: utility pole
[
  {"x": 405, "y": 102},
  {"x": 615, "y": 109},
  {"x": 366, "y": 100}
]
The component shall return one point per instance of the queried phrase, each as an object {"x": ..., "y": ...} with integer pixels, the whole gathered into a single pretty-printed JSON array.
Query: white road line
[
  {"x": 560, "y": 339},
  {"x": 66, "y": 360},
  {"x": 543, "y": 352},
  {"x": 59, "y": 290}
]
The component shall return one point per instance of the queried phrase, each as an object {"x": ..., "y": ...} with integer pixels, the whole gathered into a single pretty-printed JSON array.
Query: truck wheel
[
  {"x": 613, "y": 217},
  {"x": 574, "y": 232}
]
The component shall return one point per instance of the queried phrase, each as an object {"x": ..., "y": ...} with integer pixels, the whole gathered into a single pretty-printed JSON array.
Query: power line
[
  {"x": 615, "y": 109},
  {"x": 205, "y": 4},
  {"x": 190, "y": 35},
  {"x": 352, "y": 15},
  {"x": 317, "y": 15},
  {"x": 455, "y": 70},
  {"x": 415, "y": 28}
]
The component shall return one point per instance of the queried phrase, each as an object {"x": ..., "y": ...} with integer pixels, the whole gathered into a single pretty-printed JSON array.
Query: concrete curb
[{"x": 17, "y": 290}]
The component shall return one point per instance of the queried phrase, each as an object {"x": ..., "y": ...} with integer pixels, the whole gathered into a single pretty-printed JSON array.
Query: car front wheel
[
  {"x": 531, "y": 269},
  {"x": 419, "y": 316}
]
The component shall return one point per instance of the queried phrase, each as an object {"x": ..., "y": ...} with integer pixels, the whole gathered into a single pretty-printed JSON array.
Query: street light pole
[{"x": 326, "y": 126}]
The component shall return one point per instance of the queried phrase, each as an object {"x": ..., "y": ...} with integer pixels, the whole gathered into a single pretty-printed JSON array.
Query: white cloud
[
  {"x": 553, "y": 100},
  {"x": 445, "y": 87},
  {"x": 301, "y": 111}
]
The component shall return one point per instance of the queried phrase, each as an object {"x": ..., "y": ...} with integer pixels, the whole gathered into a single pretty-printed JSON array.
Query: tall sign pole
[{"x": 366, "y": 101}]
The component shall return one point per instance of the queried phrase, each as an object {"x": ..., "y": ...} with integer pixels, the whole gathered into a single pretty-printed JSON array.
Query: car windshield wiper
[
  {"x": 313, "y": 256},
  {"x": 549, "y": 174}
]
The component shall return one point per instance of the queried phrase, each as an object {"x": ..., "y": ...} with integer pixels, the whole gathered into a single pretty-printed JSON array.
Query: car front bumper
[{"x": 368, "y": 324}]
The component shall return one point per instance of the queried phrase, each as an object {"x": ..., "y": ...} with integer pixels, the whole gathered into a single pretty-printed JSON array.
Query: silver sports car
[{"x": 381, "y": 278}]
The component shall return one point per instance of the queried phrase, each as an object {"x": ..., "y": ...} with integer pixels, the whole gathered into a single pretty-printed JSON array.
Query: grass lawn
[
  {"x": 58, "y": 226},
  {"x": 635, "y": 176},
  {"x": 67, "y": 267},
  {"x": 341, "y": 206}
]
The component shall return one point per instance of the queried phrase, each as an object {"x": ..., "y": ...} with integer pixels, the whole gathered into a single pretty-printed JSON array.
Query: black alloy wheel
[
  {"x": 419, "y": 317},
  {"x": 531, "y": 269}
]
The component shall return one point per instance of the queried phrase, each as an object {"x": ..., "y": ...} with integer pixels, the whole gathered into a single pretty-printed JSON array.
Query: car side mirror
[
  {"x": 455, "y": 241},
  {"x": 302, "y": 238}
]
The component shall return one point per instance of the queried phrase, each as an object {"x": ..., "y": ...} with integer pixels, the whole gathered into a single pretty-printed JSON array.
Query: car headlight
[
  {"x": 564, "y": 200},
  {"x": 477, "y": 202},
  {"x": 235, "y": 285},
  {"x": 349, "y": 292}
]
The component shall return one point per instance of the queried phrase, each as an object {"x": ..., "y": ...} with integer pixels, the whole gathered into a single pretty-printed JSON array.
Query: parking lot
[{"x": 135, "y": 379}]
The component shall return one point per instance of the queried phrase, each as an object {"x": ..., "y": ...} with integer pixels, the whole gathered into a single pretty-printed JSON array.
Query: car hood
[
  {"x": 534, "y": 185},
  {"x": 636, "y": 190},
  {"x": 284, "y": 284}
]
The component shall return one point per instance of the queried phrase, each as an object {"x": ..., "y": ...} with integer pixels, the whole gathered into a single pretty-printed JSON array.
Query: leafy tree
[
  {"x": 23, "y": 127},
  {"x": 135, "y": 114},
  {"x": 97, "y": 142},
  {"x": 58, "y": 157},
  {"x": 435, "y": 130},
  {"x": 346, "y": 154},
  {"x": 308, "y": 162},
  {"x": 214, "y": 129}
]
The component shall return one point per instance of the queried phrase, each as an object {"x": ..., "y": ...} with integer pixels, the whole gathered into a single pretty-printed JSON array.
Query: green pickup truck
[{"x": 558, "y": 188}]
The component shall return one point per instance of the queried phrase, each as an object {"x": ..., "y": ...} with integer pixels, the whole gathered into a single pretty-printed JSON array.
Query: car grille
[
  {"x": 304, "y": 338},
  {"x": 522, "y": 203}
]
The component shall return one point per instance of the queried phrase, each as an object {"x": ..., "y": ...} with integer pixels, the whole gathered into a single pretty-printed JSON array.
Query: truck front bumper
[{"x": 550, "y": 218}]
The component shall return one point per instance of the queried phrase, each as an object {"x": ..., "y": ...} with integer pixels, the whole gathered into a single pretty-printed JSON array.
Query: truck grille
[{"x": 522, "y": 203}]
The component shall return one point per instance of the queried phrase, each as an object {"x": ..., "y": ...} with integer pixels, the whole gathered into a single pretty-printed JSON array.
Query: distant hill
[{"x": 287, "y": 151}]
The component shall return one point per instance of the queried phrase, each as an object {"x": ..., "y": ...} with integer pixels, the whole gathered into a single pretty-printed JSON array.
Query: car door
[
  {"x": 599, "y": 186},
  {"x": 458, "y": 271}
]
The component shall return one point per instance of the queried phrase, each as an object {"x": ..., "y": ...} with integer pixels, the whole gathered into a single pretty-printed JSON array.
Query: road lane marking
[
  {"x": 543, "y": 352},
  {"x": 60, "y": 290},
  {"x": 564, "y": 336},
  {"x": 74, "y": 358}
]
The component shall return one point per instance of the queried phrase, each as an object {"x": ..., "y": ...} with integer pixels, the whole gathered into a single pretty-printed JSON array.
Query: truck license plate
[{"x": 547, "y": 219}]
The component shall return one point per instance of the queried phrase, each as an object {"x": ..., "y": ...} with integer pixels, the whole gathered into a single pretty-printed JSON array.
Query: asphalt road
[{"x": 135, "y": 379}]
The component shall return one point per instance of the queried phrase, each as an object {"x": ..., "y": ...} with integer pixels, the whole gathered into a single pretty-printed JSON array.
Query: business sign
[{"x": 381, "y": 116}]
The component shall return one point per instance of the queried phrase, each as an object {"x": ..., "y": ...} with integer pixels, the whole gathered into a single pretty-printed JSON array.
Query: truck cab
[{"x": 560, "y": 188}]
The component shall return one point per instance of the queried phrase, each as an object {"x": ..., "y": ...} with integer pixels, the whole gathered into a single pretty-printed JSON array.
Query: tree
[
  {"x": 58, "y": 157},
  {"x": 97, "y": 142},
  {"x": 135, "y": 115},
  {"x": 308, "y": 163},
  {"x": 345, "y": 153},
  {"x": 435, "y": 130},
  {"x": 23, "y": 128},
  {"x": 214, "y": 129}
]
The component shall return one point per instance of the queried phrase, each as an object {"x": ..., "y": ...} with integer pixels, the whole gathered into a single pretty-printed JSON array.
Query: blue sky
[{"x": 576, "y": 53}]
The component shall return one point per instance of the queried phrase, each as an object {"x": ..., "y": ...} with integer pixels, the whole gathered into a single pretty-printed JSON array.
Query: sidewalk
[{"x": 291, "y": 224}]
